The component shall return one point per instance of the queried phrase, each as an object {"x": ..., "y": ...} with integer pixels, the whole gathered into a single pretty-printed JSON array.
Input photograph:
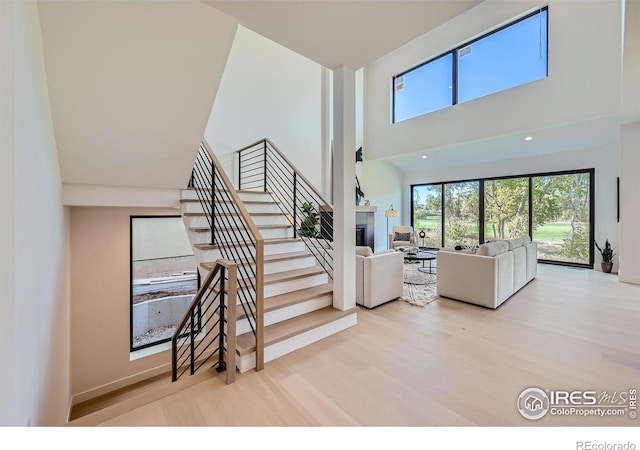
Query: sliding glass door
[
  {"x": 427, "y": 215},
  {"x": 562, "y": 217},
  {"x": 461, "y": 214},
  {"x": 555, "y": 209},
  {"x": 506, "y": 208}
]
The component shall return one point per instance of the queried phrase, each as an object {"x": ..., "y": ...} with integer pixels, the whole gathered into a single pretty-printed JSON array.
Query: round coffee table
[{"x": 422, "y": 256}]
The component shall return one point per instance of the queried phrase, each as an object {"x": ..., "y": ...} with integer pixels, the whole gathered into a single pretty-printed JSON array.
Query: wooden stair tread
[
  {"x": 273, "y": 241},
  {"x": 245, "y": 343},
  {"x": 290, "y": 298},
  {"x": 272, "y": 258},
  {"x": 278, "y": 277},
  {"x": 243, "y": 191},
  {"x": 197, "y": 214},
  {"x": 292, "y": 274}
]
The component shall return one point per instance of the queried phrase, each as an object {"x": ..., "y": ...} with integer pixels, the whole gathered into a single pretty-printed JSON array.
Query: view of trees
[
  {"x": 461, "y": 213},
  {"x": 506, "y": 208},
  {"x": 427, "y": 214},
  {"x": 560, "y": 210}
]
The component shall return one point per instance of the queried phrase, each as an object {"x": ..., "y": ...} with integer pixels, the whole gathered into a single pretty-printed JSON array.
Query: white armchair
[
  {"x": 401, "y": 236},
  {"x": 379, "y": 276}
]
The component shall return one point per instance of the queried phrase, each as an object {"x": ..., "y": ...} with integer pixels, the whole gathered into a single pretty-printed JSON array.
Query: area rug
[{"x": 419, "y": 288}]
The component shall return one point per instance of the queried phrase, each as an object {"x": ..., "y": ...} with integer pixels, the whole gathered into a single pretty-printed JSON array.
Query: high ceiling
[
  {"x": 599, "y": 133},
  {"x": 349, "y": 33}
]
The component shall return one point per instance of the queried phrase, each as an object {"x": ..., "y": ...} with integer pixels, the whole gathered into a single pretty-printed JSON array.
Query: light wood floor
[{"x": 448, "y": 364}]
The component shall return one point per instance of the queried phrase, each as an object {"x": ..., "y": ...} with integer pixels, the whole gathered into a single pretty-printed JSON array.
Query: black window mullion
[
  {"x": 454, "y": 77},
  {"x": 531, "y": 207},
  {"x": 442, "y": 215},
  {"x": 480, "y": 211}
]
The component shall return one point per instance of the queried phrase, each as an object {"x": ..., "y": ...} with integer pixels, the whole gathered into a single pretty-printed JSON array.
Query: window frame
[
  {"x": 530, "y": 177},
  {"x": 133, "y": 349},
  {"x": 454, "y": 69}
]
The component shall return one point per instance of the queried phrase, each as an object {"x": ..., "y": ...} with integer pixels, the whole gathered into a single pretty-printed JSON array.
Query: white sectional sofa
[{"x": 489, "y": 276}]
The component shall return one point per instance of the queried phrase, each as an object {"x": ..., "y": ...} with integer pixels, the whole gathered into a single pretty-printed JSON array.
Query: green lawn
[{"x": 555, "y": 231}]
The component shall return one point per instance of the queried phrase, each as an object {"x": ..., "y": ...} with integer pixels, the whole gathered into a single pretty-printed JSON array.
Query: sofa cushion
[
  {"x": 364, "y": 251},
  {"x": 518, "y": 242},
  {"x": 493, "y": 248}
]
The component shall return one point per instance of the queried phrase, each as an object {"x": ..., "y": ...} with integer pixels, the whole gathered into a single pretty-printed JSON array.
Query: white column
[
  {"x": 344, "y": 215},
  {"x": 629, "y": 251}
]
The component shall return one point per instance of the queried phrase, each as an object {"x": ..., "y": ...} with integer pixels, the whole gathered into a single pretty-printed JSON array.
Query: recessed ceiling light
[
  {"x": 529, "y": 138},
  {"x": 424, "y": 156}
]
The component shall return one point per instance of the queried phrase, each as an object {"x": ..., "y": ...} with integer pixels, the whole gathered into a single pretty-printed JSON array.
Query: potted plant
[
  {"x": 607, "y": 256},
  {"x": 309, "y": 225}
]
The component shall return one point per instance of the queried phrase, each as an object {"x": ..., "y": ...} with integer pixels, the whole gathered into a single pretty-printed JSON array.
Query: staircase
[{"x": 297, "y": 303}]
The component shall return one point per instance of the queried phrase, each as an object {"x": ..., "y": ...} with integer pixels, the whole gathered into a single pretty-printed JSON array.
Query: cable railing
[
  {"x": 263, "y": 167},
  {"x": 232, "y": 232},
  {"x": 208, "y": 327}
]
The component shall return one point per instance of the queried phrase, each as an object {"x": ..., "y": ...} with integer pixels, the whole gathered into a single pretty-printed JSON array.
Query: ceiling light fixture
[
  {"x": 529, "y": 138},
  {"x": 424, "y": 156}
]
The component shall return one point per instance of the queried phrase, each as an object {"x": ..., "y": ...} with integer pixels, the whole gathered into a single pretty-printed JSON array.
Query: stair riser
[
  {"x": 283, "y": 287},
  {"x": 254, "y": 208},
  {"x": 270, "y": 267},
  {"x": 279, "y": 219},
  {"x": 286, "y": 286},
  {"x": 255, "y": 197},
  {"x": 269, "y": 249},
  {"x": 192, "y": 194},
  {"x": 248, "y": 362},
  {"x": 267, "y": 233},
  {"x": 289, "y": 312}
]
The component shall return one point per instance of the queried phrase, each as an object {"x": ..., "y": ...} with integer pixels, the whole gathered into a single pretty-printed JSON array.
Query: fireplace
[{"x": 361, "y": 235}]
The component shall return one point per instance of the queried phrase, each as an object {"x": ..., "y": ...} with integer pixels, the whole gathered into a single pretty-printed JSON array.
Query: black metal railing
[
  {"x": 263, "y": 167},
  {"x": 208, "y": 328},
  {"x": 234, "y": 235}
]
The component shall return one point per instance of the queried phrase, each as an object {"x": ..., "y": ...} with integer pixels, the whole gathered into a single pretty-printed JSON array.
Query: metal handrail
[
  {"x": 263, "y": 167},
  {"x": 234, "y": 234},
  {"x": 192, "y": 342}
]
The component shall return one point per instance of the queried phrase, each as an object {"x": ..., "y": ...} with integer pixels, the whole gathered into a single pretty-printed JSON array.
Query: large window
[
  {"x": 555, "y": 209},
  {"x": 425, "y": 89},
  {"x": 163, "y": 278},
  {"x": 561, "y": 217},
  {"x": 510, "y": 56},
  {"x": 427, "y": 214},
  {"x": 506, "y": 208},
  {"x": 461, "y": 214}
]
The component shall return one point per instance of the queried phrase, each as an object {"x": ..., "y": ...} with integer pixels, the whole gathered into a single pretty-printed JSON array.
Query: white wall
[
  {"x": 8, "y": 396},
  {"x": 100, "y": 308},
  {"x": 35, "y": 328},
  {"x": 383, "y": 186},
  {"x": 583, "y": 82},
  {"x": 629, "y": 154},
  {"x": 604, "y": 160},
  {"x": 270, "y": 91},
  {"x": 132, "y": 84},
  {"x": 629, "y": 204}
]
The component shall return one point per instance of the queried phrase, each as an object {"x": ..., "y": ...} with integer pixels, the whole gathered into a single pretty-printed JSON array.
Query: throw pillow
[{"x": 402, "y": 236}]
